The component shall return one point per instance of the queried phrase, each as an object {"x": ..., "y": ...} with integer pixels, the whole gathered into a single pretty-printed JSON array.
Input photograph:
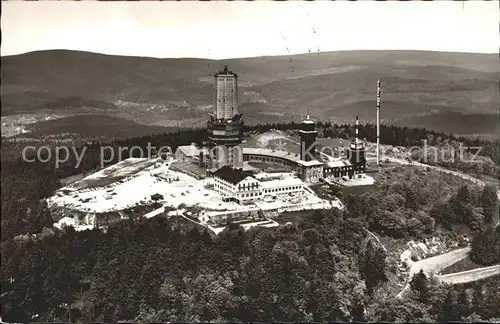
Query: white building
[
  {"x": 186, "y": 153},
  {"x": 245, "y": 187},
  {"x": 190, "y": 153}
]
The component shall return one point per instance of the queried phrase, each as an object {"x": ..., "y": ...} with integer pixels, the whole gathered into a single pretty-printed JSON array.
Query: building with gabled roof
[
  {"x": 230, "y": 175},
  {"x": 245, "y": 186},
  {"x": 226, "y": 157}
]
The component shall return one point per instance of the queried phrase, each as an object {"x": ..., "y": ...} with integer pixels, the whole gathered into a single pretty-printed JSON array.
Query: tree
[
  {"x": 478, "y": 299},
  {"x": 415, "y": 226},
  {"x": 411, "y": 197},
  {"x": 449, "y": 310},
  {"x": 372, "y": 265},
  {"x": 472, "y": 318},
  {"x": 443, "y": 214},
  {"x": 474, "y": 218},
  {"x": 463, "y": 305},
  {"x": 461, "y": 204},
  {"x": 420, "y": 285},
  {"x": 489, "y": 202},
  {"x": 485, "y": 246}
]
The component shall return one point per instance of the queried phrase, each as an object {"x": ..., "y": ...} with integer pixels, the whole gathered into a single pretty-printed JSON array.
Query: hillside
[
  {"x": 178, "y": 92},
  {"x": 95, "y": 126}
]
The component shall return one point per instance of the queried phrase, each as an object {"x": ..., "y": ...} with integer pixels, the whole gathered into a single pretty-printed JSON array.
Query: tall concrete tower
[
  {"x": 357, "y": 152},
  {"x": 225, "y": 94},
  {"x": 225, "y": 126},
  {"x": 308, "y": 134}
]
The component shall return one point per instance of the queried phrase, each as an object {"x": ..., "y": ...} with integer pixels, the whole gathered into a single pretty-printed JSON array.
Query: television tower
[
  {"x": 225, "y": 125},
  {"x": 357, "y": 152}
]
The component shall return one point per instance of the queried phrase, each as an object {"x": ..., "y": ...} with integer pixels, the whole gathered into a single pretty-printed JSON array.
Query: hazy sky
[{"x": 241, "y": 29}]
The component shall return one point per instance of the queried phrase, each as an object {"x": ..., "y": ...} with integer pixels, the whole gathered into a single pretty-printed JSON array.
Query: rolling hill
[
  {"x": 93, "y": 126},
  {"x": 335, "y": 85}
]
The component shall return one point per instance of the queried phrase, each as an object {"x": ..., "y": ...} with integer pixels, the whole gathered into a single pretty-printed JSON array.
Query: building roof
[
  {"x": 308, "y": 131},
  {"x": 337, "y": 163},
  {"x": 285, "y": 182},
  {"x": 235, "y": 211},
  {"x": 267, "y": 152},
  {"x": 310, "y": 163},
  {"x": 231, "y": 175},
  {"x": 264, "y": 176},
  {"x": 189, "y": 150},
  {"x": 225, "y": 72}
]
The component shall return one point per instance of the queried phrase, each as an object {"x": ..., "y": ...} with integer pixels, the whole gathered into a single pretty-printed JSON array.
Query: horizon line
[{"x": 245, "y": 57}]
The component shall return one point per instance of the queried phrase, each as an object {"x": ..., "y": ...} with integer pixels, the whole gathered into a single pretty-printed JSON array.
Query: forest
[
  {"x": 148, "y": 270},
  {"x": 325, "y": 269}
]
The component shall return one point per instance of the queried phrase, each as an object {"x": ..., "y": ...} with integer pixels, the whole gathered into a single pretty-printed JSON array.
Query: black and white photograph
[{"x": 250, "y": 161}]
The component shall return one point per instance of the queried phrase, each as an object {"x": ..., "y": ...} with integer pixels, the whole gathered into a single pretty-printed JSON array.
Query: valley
[{"x": 441, "y": 91}]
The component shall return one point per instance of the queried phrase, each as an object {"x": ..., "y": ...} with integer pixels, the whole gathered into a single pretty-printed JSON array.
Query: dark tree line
[
  {"x": 471, "y": 303},
  {"x": 421, "y": 201},
  {"x": 150, "y": 271},
  {"x": 24, "y": 186},
  {"x": 391, "y": 135},
  {"x": 485, "y": 247}
]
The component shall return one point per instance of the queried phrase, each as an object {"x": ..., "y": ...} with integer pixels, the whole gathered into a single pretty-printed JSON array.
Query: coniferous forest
[{"x": 324, "y": 269}]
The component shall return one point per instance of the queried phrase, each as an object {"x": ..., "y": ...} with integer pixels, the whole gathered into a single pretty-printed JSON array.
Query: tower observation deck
[{"x": 225, "y": 126}]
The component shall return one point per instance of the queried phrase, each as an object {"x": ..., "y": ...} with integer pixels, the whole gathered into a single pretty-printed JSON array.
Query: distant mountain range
[{"x": 433, "y": 89}]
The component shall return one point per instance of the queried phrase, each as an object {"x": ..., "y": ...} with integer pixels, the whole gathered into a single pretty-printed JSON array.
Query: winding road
[
  {"x": 470, "y": 275},
  {"x": 440, "y": 262},
  {"x": 441, "y": 169}
]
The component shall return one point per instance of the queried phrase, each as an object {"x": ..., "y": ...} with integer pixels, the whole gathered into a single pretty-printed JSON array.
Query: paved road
[
  {"x": 438, "y": 263},
  {"x": 470, "y": 275},
  {"x": 441, "y": 169},
  {"x": 441, "y": 262},
  {"x": 435, "y": 264}
]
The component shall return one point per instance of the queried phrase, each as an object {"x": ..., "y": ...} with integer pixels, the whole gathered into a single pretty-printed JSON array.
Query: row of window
[
  {"x": 282, "y": 189},
  {"x": 344, "y": 169},
  {"x": 250, "y": 186},
  {"x": 227, "y": 191},
  {"x": 267, "y": 159},
  {"x": 224, "y": 186},
  {"x": 231, "y": 188},
  {"x": 341, "y": 169},
  {"x": 251, "y": 194}
]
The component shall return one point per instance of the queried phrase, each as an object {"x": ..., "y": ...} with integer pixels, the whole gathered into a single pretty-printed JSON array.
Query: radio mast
[{"x": 378, "y": 122}]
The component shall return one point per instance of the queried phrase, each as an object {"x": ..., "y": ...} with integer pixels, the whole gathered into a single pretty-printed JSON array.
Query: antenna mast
[
  {"x": 357, "y": 127},
  {"x": 378, "y": 122}
]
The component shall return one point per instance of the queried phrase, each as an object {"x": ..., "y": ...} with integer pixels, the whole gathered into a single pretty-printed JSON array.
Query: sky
[{"x": 223, "y": 29}]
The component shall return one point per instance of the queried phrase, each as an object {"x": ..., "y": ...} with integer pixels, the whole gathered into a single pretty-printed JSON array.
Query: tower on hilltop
[
  {"x": 357, "y": 152},
  {"x": 225, "y": 126},
  {"x": 225, "y": 94},
  {"x": 310, "y": 169},
  {"x": 308, "y": 134}
]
